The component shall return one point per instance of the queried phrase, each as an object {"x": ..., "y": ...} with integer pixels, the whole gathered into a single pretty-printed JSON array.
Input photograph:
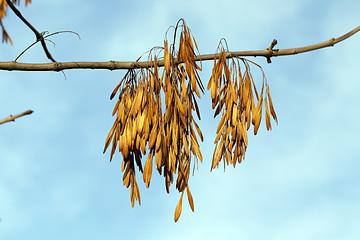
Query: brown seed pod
[{"x": 155, "y": 111}]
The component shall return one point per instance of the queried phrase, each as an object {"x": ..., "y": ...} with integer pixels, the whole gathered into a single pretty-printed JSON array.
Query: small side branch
[
  {"x": 44, "y": 38},
  {"x": 115, "y": 65},
  {"x": 12, "y": 118},
  {"x": 39, "y": 36},
  {"x": 271, "y": 50}
]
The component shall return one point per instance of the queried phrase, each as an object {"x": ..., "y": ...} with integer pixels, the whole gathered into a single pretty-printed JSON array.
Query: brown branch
[
  {"x": 39, "y": 36},
  {"x": 115, "y": 65},
  {"x": 12, "y": 118}
]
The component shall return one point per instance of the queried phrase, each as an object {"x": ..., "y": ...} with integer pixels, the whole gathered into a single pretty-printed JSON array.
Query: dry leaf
[
  {"x": 234, "y": 114},
  {"x": 190, "y": 198},
  {"x": 272, "y": 110},
  {"x": 198, "y": 131},
  {"x": 178, "y": 208},
  {"x": 257, "y": 113},
  {"x": 166, "y": 57},
  {"x": 268, "y": 124},
  {"x": 153, "y": 136},
  {"x": 148, "y": 169}
]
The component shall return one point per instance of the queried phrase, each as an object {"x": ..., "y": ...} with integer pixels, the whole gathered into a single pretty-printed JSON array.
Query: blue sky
[{"x": 299, "y": 181}]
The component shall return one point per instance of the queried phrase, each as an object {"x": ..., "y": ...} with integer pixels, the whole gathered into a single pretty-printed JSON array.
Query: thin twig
[
  {"x": 44, "y": 38},
  {"x": 272, "y": 45},
  {"x": 39, "y": 36},
  {"x": 12, "y": 118},
  {"x": 115, "y": 65}
]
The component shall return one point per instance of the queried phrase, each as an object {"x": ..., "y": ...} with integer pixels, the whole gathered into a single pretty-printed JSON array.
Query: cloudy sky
[{"x": 299, "y": 181}]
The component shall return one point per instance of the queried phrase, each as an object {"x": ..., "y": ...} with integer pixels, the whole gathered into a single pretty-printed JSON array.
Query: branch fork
[
  {"x": 39, "y": 36},
  {"x": 271, "y": 50}
]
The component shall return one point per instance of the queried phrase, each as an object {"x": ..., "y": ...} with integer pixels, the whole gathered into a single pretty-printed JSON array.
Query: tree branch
[
  {"x": 12, "y": 118},
  {"x": 115, "y": 65},
  {"x": 39, "y": 36}
]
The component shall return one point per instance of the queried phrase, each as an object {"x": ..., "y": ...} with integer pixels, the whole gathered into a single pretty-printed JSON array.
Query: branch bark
[
  {"x": 116, "y": 65},
  {"x": 12, "y": 118}
]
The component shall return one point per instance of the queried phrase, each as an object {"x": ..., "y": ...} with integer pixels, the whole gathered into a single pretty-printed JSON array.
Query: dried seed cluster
[
  {"x": 170, "y": 136},
  {"x": 168, "y": 131},
  {"x": 232, "y": 95}
]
